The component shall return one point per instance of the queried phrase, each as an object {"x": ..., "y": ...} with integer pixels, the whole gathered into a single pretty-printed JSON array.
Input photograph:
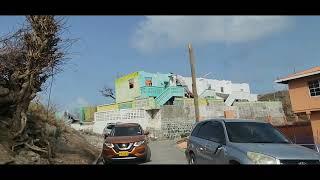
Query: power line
[{"x": 49, "y": 93}]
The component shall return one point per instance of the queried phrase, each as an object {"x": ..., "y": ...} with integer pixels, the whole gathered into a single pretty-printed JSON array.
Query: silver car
[
  {"x": 107, "y": 129},
  {"x": 234, "y": 141}
]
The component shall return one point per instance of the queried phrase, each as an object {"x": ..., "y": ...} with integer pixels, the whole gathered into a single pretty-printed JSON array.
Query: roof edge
[{"x": 285, "y": 80}]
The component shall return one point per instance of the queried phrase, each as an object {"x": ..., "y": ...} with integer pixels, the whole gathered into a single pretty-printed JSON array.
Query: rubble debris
[
  {"x": 182, "y": 143},
  {"x": 5, "y": 155}
]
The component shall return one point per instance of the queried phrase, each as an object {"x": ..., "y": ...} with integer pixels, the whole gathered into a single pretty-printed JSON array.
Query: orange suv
[{"x": 126, "y": 141}]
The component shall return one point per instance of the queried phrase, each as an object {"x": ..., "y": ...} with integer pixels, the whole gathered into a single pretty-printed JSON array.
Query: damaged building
[{"x": 163, "y": 103}]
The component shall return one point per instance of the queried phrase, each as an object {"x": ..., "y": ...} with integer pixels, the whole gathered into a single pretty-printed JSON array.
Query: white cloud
[{"x": 172, "y": 31}]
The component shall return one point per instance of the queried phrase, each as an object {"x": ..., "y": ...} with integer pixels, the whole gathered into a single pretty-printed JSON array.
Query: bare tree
[
  {"x": 27, "y": 59},
  {"x": 108, "y": 93}
]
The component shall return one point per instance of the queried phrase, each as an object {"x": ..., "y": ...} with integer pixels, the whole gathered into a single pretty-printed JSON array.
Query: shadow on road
[{"x": 100, "y": 161}]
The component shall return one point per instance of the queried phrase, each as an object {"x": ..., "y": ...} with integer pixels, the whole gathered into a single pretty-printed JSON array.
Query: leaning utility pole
[{"x": 194, "y": 83}]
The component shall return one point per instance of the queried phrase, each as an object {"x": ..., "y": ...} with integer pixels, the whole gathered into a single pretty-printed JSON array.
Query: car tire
[
  {"x": 234, "y": 163},
  {"x": 192, "y": 159},
  {"x": 100, "y": 161},
  {"x": 107, "y": 162},
  {"x": 148, "y": 156}
]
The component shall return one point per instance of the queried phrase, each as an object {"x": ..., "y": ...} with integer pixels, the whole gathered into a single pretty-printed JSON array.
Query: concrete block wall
[
  {"x": 124, "y": 115},
  {"x": 260, "y": 110},
  {"x": 172, "y": 121},
  {"x": 175, "y": 121},
  {"x": 154, "y": 123},
  {"x": 178, "y": 120}
]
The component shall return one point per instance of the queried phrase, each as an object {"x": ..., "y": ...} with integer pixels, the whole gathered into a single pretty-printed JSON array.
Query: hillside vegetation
[{"x": 284, "y": 97}]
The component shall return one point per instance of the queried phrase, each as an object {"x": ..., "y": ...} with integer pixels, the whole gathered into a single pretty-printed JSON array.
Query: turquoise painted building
[
  {"x": 141, "y": 84},
  {"x": 144, "y": 90}
]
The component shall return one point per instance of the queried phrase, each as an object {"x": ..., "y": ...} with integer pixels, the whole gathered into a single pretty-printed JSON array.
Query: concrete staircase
[
  {"x": 239, "y": 95},
  {"x": 168, "y": 93}
]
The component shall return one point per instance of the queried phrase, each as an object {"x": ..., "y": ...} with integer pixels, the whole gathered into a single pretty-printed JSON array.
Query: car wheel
[
  {"x": 192, "y": 159},
  {"x": 148, "y": 156},
  {"x": 100, "y": 161},
  {"x": 234, "y": 163}
]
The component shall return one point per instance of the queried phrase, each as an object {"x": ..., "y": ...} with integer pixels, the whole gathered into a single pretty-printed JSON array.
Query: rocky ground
[
  {"x": 94, "y": 139},
  {"x": 80, "y": 147},
  {"x": 68, "y": 147}
]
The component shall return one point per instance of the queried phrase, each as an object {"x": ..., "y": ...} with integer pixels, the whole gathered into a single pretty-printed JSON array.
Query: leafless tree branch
[
  {"x": 108, "y": 93},
  {"x": 28, "y": 58}
]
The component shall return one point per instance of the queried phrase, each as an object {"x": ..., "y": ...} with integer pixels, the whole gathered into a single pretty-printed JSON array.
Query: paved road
[{"x": 166, "y": 152}]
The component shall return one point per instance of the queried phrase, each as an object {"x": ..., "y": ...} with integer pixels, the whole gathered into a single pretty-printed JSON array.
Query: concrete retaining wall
[
  {"x": 260, "y": 110},
  {"x": 123, "y": 115},
  {"x": 172, "y": 121},
  {"x": 176, "y": 120}
]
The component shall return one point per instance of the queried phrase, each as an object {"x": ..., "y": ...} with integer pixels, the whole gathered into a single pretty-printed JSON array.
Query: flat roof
[{"x": 300, "y": 74}]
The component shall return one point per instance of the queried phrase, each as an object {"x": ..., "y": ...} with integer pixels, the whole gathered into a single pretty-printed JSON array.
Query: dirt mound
[
  {"x": 72, "y": 148},
  {"x": 67, "y": 146}
]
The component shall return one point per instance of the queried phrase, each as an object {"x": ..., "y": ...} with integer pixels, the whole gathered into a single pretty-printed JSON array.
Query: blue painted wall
[
  {"x": 124, "y": 93},
  {"x": 158, "y": 79}
]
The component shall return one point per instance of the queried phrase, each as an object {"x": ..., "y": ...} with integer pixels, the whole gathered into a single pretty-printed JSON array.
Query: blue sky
[{"x": 255, "y": 50}]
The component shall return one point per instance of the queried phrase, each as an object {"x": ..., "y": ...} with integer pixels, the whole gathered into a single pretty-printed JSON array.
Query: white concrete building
[{"x": 225, "y": 89}]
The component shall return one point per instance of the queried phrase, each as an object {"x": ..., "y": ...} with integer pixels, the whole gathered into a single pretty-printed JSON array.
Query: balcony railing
[
  {"x": 151, "y": 91},
  {"x": 162, "y": 95}
]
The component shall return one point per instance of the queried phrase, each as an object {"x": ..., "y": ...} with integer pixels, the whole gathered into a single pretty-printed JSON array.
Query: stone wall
[
  {"x": 178, "y": 120},
  {"x": 260, "y": 110},
  {"x": 172, "y": 121},
  {"x": 154, "y": 123},
  {"x": 175, "y": 121}
]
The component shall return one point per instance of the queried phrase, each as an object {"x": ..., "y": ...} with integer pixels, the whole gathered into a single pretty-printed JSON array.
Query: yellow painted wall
[
  {"x": 107, "y": 107},
  {"x": 89, "y": 113},
  {"x": 123, "y": 92},
  {"x": 201, "y": 101}
]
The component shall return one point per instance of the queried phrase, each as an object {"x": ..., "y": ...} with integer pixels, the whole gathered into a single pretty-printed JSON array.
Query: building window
[
  {"x": 166, "y": 84},
  {"x": 131, "y": 83},
  {"x": 314, "y": 88},
  {"x": 221, "y": 89},
  {"x": 241, "y": 90},
  {"x": 148, "y": 81}
]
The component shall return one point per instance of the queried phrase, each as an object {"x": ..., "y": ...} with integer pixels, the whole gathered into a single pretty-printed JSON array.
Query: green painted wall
[
  {"x": 158, "y": 79},
  {"x": 88, "y": 113},
  {"x": 124, "y": 93}
]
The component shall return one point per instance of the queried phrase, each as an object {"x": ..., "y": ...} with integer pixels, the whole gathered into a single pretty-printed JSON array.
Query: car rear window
[{"x": 127, "y": 131}]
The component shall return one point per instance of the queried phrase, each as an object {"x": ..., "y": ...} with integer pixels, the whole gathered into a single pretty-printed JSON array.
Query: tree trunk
[
  {"x": 19, "y": 119},
  {"x": 20, "y": 113}
]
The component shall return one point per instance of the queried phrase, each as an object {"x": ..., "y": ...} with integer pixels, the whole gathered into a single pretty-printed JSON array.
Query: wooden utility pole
[{"x": 194, "y": 83}]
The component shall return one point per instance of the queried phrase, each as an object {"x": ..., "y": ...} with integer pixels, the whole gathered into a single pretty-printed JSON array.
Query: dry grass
[{"x": 68, "y": 146}]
